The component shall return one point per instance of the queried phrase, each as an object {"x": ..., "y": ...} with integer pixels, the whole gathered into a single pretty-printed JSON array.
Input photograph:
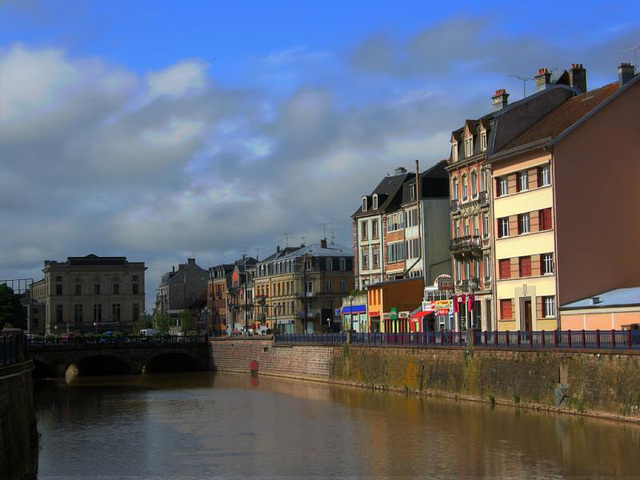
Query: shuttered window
[
  {"x": 506, "y": 311},
  {"x": 505, "y": 268},
  {"x": 525, "y": 266},
  {"x": 545, "y": 219}
]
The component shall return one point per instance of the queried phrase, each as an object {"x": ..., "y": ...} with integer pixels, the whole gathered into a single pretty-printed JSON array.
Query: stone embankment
[
  {"x": 599, "y": 383},
  {"x": 18, "y": 428}
]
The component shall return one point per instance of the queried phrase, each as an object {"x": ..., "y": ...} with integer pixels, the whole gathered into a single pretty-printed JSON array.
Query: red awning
[{"x": 421, "y": 314}]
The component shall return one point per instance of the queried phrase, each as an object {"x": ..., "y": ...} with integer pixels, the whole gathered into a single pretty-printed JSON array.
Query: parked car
[{"x": 67, "y": 337}]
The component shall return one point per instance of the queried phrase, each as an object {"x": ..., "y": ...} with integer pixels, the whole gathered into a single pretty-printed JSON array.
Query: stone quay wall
[
  {"x": 599, "y": 383},
  {"x": 18, "y": 425}
]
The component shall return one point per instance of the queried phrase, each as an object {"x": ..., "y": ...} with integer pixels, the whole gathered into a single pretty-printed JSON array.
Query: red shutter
[
  {"x": 525, "y": 266},
  {"x": 545, "y": 219},
  {"x": 505, "y": 309},
  {"x": 505, "y": 268}
]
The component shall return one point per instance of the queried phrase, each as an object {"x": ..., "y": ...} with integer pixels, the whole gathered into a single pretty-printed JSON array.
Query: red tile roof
[{"x": 563, "y": 117}]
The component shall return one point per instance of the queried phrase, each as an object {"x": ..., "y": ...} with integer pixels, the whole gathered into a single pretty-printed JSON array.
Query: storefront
[{"x": 355, "y": 318}]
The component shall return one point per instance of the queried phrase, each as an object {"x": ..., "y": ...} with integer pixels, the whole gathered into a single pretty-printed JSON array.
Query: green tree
[
  {"x": 186, "y": 321},
  {"x": 163, "y": 323},
  {"x": 11, "y": 310},
  {"x": 145, "y": 321}
]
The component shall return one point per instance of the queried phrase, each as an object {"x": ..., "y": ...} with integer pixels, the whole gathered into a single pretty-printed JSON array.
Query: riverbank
[{"x": 603, "y": 384}]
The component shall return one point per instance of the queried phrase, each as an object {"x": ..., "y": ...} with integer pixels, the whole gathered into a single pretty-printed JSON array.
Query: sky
[{"x": 159, "y": 130}]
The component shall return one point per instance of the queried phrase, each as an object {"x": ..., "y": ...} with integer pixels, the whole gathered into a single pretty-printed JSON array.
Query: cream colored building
[{"x": 90, "y": 294}]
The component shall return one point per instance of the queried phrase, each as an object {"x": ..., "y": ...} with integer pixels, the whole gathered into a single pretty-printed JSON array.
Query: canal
[{"x": 205, "y": 425}]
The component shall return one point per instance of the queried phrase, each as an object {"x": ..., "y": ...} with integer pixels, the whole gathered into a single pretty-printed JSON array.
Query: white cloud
[
  {"x": 185, "y": 77},
  {"x": 174, "y": 133}
]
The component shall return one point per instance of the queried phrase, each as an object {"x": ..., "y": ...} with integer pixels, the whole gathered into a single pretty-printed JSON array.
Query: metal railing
[
  {"x": 619, "y": 340},
  {"x": 9, "y": 350},
  {"x": 126, "y": 340}
]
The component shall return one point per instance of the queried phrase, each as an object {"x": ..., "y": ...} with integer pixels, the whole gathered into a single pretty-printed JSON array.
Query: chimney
[
  {"x": 578, "y": 77},
  {"x": 595, "y": 300},
  {"x": 277, "y": 248},
  {"x": 323, "y": 243},
  {"x": 400, "y": 171},
  {"x": 626, "y": 72},
  {"x": 191, "y": 261},
  {"x": 543, "y": 79},
  {"x": 500, "y": 99}
]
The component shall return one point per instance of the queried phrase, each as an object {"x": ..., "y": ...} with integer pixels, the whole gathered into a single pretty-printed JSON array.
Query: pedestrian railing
[
  {"x": 9, "y": 350},
  {"x": 620, "y": 340},
  {"x": 111, "y": 340}
]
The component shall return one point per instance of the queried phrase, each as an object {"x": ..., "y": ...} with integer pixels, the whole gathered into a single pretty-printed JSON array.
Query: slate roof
[
  {"x": 387, "y": 191},
  {"x": 563, "y": 117},
  {"x": 316, "y": 250},
  {"x": 434, "y": 183},
  {"x": 621, "y": 297}
]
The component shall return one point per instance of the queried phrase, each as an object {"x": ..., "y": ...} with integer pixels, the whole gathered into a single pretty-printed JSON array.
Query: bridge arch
[
  {"x": 102, "y": 364},
  {"x": 42, "y": 370},
  {"x": 172, "y": 362}
]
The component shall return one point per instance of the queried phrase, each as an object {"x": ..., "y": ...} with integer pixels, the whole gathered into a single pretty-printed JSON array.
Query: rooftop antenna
[
  {"x": 304, "y": 240},
  {"x": 635, "y": 55},
  {"x": 324, "y": 229},
  {"x": 286, "y": 239},
  {"x": 333, "y": 236},
  {"x": 258, "y": 253},
  {"x": 524, "y": 81}
]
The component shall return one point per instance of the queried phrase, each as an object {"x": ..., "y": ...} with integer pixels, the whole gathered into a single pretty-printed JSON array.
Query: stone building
[
  {"x": 179, "y": 288},
  {"x": 90, "y": 294},
  {"x": 298, "y": 289}
]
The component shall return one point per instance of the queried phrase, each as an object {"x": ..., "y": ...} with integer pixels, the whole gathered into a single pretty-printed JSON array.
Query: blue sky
[{"x": 156, "y": 129}]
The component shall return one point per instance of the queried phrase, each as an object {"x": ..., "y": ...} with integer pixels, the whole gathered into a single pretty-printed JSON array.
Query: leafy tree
[
  {"x": 186, "y": 321},
  {"x": 11, "y": 310},
  {"x": 145, "y": 321},
  {"x": 163, "y": 323}
]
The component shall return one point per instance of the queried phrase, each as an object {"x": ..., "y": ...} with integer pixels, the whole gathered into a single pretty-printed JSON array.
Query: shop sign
[
  {"x": 393, "y": 314},
  {"x": 404, "y": 314},
  {"x": 444, "y": 282},
  {"x": 443, "y": 304},
  {"x": 443, "y": 311}
]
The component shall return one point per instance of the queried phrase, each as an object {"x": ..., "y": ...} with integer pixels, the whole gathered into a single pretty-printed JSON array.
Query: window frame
[
  {"x": 524, "y": 223},
  {"x": 523, "y": 181}
]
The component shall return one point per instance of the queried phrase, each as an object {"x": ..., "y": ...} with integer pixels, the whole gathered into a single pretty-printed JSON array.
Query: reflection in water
[{"x": 199, "y": 425}]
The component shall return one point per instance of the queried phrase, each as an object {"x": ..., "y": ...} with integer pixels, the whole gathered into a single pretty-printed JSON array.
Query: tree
[
  {"x": 11, "y": 310},
  {"x": 163, "y": 323},
  {"x": 186, "y": 321},
  {"x": 145, "y": 321}
]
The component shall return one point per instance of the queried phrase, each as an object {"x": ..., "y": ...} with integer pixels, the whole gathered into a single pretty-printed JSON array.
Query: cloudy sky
[{"x": 158, "y": 129}]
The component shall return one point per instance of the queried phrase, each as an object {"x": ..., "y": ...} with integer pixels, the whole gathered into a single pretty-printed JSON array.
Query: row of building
[{"x": 538, "y": 213}]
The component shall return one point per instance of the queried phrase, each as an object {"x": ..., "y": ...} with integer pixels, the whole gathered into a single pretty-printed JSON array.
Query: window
[
  {"x": 58, "y": 278},
  {"x": 395, "y": 252},
  {"x": 116, "y": 289},
  {"x": 483, "y": 141},
  {"x": 476, "y": 229},
  {"x": 135, "y": 312},
  {"x": 363, "y": 230},
  {"x": 395, "y": 222},
  {"x": 465, "y": 188},
  {"x": 503, "y": 227},
  {"x": 506, "y": 310},
  {"x": 343, "y": 286},
  {"x": 459, "y": 269},
  {"x": 505, "y": 268},
  {"x": 546, "y": 264},
  {"x": 364, "y": 204},
  {"x": 502, "y": 186},
  {"x": 454, "y": 189},
  {"x": 454, "y": 152},
  {"x": 474, "y": 184},
  {"x": 525, "y": 266},
  {"x": 476, "y": 269},
  {"x": 545, "y": 219},
  {"x": 468, "y": 146},
  {"x": 97, "y": 312},
  {"x": 544, "y": 176},
  {"x": 412, "y": 218},
  {"x": 77, "y": 314},
  {"x": 96, "y": 289},
  {"x": 115, "y": 312},
  {"x": 59, "y": 313},
  {"x": 485, "y": 226},
  {"x": 375, "y": 201},
  {"x": 523, "y": 181},
  {"x": 376, "y": 257},
  {"x": 329, "y": 286},
  {"x": 308, "y": 287},
  {"x": 413, "y": 248},
  {"x": 467, "y": 270},
  {"x": 135, "y": 289},
  {"x": 466, "y": 227},
  {"x": 343, "y": 264},
  {"x": 365, "y": 259},
  {"x": 374, "y": 229},
  {"x": 523, "y": 223},
  {"x": 134, "y": 278},
  {"x": 78, "y": 289},
  {"x": 329, "y": 264},
  {"x": 487, "y": 267},
  {"x": 58, "y": 289},
  {"x": 548, "y": 306},
  {"x": 412, "y": 192}
]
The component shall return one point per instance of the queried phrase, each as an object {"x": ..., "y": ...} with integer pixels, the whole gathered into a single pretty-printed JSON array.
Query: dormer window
[
  {"x": 454, "y": 152},
  {"x": 468, "y": 146},
  {"x": 412, "y": 192},
  {"x": 483, "y": 141},
  {"x": 375, "y": 202},
  {"x": 364, "y": 204}
]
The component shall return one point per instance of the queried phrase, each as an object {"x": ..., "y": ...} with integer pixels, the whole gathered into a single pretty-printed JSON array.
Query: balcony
[
  {"x": 480, "y": 201},
  {"x": 310, "y": 313},
  {"x": 307, "y": 295},
  {"x": 467, "y": 245}
]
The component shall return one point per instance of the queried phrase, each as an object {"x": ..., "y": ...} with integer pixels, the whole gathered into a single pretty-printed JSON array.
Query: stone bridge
[{"x": 87, "y": 359}]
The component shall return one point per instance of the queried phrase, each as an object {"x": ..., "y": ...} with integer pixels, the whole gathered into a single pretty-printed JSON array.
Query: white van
[{"x": 148, "y": 332}]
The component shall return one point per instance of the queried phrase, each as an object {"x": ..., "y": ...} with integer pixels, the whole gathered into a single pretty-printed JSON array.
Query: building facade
[
  {"x": 91, "y": 294},
  {"x": 179, "y": 288}
]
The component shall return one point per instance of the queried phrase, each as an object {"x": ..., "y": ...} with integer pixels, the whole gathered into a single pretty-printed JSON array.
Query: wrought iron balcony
[{"x": 469, "y": 244}]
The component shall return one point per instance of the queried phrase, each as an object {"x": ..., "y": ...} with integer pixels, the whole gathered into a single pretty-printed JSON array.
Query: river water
[{"x": 204, "y": 425}]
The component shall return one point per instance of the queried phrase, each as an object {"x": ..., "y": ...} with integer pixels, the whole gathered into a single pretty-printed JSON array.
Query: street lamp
[
  {"x": 473, "y": 285},
  {"x": 95, "y": 328}
]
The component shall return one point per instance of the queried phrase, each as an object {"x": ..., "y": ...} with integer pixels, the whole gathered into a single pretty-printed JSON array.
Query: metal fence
[
  {"x": 110, "y": 340},
  {"x": 622, "y": 340},
  {"x": 9, "y": 350}
]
